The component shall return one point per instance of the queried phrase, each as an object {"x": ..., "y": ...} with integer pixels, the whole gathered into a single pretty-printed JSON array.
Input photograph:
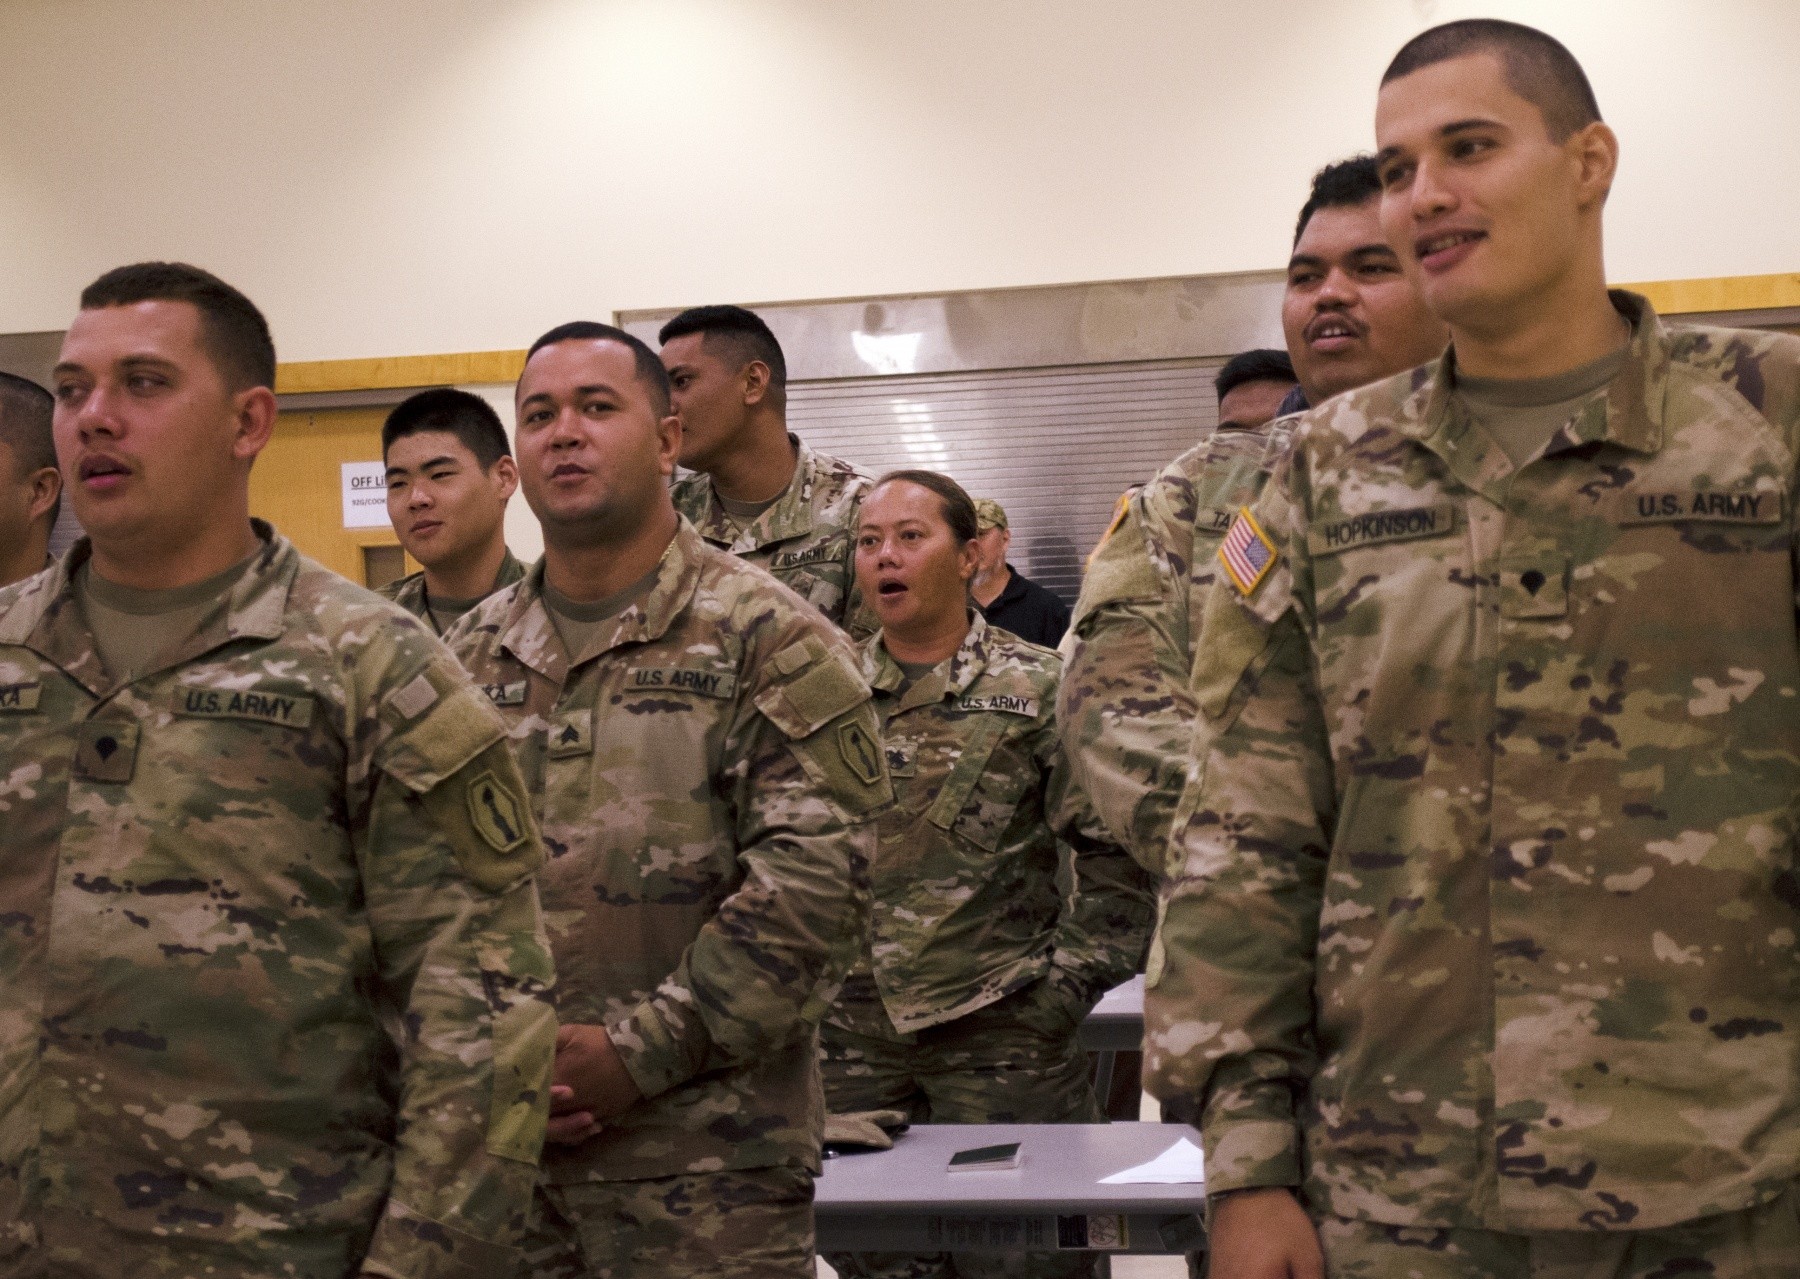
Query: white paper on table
[{"x": 1180, "y": 1164}]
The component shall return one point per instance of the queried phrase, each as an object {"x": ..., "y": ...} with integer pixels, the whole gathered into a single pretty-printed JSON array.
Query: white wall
[{"x": 412, "y": 176}]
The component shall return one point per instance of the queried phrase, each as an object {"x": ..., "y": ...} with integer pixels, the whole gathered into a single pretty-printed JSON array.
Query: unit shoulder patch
[
  {"x": 497, "y": 814},
  {"x": 1247, "y": 553},
  {"x": 860, "y": 752},
  {"x": 482, "y": 813}
]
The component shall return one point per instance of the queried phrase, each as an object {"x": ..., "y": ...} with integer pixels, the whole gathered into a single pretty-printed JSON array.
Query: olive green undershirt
[
  {"x": 913, "y": 672},
  {"x": 445, "y": 613},
  {"x": 1521, "y": 414},
  {"x": 578, "y": 621},
  {"x": 744, "y": 514},
  {"x": 133, "y": 628}
]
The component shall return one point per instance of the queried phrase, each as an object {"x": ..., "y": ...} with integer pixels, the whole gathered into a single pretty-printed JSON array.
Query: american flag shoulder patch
[{"x": 1247, "y": 553}]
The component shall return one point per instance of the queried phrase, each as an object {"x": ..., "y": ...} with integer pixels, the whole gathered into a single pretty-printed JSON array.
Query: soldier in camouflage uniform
[
  {"x": 990, "y": 937},
  {"x": 1125, "y": 708},
  {"x": 757, "y": 490},
  {"x": 1482, "y": 937},
  {"x": 236, "y": 864},
  {"x": 450, "y": 474},
  {"x": 703, "y": 757}
]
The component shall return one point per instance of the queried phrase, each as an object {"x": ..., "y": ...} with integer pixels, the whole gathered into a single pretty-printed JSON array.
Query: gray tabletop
[
  {"x": 1060, "y": 1169},
  {"x": 907, "y": 1199},
  {"x": 1117, "y": 1022}
]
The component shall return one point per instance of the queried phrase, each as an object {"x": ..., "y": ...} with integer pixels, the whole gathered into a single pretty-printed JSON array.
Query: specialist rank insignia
[{"x": 1247, "y": 553}]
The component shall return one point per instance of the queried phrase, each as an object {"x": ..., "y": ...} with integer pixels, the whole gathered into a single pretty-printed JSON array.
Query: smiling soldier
[
  {"x": 1124, "y": 706},
  {"x": 1479, "y": 957},
  {"x": 257, "y": 822},
  {"x": 450, "y": 475}
]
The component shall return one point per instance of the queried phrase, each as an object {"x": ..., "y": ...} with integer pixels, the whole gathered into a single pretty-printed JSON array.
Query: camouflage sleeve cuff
[
  {"x": 1244, "y": 1154},
  {"x": 410, "y": 1246},
  {"x": 655, "y": 1058}
]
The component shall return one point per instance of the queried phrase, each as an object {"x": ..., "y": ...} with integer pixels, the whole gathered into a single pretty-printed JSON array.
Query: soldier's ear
[
  {"x": 255, "y": 412},
  {"x": 505, "y": 473},
  {"x": 756, "y": 382},
  {"x": 1594, "y": 148},
  {"x": 968, "y": 560},
  {"x": 668, "y": 443},
  {"x": 46, "y": 487}
]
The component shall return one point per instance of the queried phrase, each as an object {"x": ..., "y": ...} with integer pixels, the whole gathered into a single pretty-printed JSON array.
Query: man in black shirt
[{"x": 1006, "y": 597}]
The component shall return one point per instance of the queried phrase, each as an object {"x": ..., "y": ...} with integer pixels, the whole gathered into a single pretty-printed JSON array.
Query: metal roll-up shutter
[{"x": 1055, "y": 446}]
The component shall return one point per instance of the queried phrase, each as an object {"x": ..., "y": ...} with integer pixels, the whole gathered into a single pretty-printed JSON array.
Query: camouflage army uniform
[
  {"x": 223, "y": 882},
  {"x": 409, "y": 591},
  {"x": 1124, "y": 707},
  {"x": 807, "y": 539},
  {"x": 981, "y": 961},
  {"x": 1487, "y": 900},
  {"x": 702, "y": 775}
]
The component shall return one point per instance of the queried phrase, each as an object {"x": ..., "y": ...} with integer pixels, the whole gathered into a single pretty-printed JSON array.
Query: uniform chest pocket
[
  {"x": 1357, "y": 556},
  {"x": 979, "y": 798}
]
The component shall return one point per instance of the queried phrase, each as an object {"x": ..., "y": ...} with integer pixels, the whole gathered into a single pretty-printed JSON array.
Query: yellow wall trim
[
  {"x": 388, "y": 372},
  {"x": 1726, "y": 293}
]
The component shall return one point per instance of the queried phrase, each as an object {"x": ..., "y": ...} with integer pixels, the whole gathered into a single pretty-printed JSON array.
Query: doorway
[{"x": 297, "y": 485}]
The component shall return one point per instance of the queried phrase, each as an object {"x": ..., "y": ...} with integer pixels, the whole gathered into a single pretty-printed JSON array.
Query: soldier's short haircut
[
  {"x": 741, "y": 333},
  {"x": 648, "y": 367},
  {"x": 233, "y": 331},
  {"x": 468, "y": 417},
  {"x": 1260, "y": 365},
  {"x": 1538, "y": 67},
  {"x": 958, "y": 506},
  {"x": 26, "y": 410},
  {"x": 1345, "y": 184}
]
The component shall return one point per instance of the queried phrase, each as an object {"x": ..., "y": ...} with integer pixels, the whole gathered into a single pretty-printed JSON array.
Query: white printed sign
[{"x": 365, "y": 495}]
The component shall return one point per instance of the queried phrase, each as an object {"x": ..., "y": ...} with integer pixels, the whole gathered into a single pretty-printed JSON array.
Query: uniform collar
[
  {"x": 527, "y": 632},
  {"x": 1628, "y": 414},
  {"x": 884, "y": 675},
  {"x": 790, "y": 516},
  {"x": 46, "y": 616}
]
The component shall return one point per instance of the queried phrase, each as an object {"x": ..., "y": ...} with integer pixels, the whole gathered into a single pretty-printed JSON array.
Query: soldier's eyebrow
[
  {"x": 426, "y": 465},
  {"x": 142, "y": 361},
  {"x": 1443, "y": 131}
]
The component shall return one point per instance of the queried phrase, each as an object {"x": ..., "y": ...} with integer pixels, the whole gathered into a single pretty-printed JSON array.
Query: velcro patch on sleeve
[
  {"x": 1120, "y": 569},
  {"x": 805, "y": 704},
  {"x": 481, "y": 811},
  {"x": 415, "y": 697},
  {"x": 459, "y": 727},
  {"x": 1247, "y": 553}
]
